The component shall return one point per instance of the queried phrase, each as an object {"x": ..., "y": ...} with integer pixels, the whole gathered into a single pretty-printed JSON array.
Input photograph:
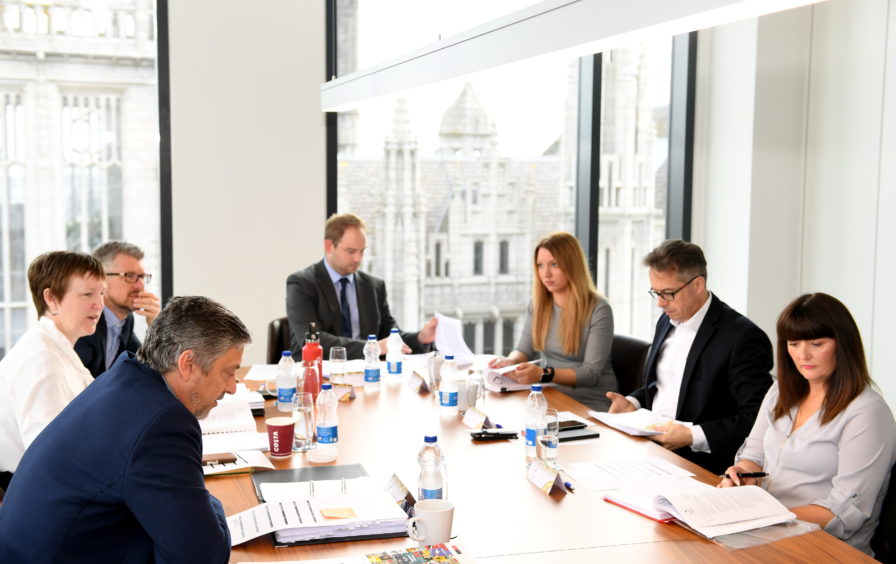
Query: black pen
[{"x": 746, "y": 475}]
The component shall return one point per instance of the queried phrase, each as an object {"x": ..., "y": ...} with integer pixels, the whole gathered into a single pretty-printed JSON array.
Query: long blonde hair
[{"x": 583, "y": 295}]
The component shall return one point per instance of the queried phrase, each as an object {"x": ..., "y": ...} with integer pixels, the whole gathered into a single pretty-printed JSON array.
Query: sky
[{"x": 525, "y": 100}]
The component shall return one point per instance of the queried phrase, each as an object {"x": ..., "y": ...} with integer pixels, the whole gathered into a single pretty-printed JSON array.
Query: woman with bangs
[
  {"x": 824, "y": 436},
  {"x": 568, "y": 324}
]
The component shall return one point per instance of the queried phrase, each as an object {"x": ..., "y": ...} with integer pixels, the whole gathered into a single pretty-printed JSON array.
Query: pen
[
  {"x": 569, "y": 487},
  {"x": 747, "y": 475}
]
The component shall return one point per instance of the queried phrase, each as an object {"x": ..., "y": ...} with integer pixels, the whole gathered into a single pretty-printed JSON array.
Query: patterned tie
[{"x": 345, "y": 313}]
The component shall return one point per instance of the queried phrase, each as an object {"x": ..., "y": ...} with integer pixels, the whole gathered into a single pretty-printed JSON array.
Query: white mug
[{"x": 431, "y": 523}]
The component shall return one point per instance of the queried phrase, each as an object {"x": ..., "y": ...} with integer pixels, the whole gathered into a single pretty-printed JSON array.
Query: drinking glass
[
  {"x": 476, "y": 390},
  {"x": 303, "y": 413},
  {"x": 548, "y": 444},
  {"x": 338, "y": 358},
  {"x": 435, "y": 367}
]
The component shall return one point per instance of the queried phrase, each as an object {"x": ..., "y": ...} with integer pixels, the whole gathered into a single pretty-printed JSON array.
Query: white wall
[
  {"x": 248, "y": 151},
  {"x": 821, "y": 178}
]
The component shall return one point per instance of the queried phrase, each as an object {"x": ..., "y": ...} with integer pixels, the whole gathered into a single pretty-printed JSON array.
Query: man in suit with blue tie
[
  {"x": 708, "y": 368},
  {"x": 126, "y": 295},
  {"x": 117, "y": 475},
  {"x": 347, "y": 304}
]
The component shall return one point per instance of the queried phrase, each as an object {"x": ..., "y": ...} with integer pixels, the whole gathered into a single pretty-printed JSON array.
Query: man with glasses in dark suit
[
  {"x": 708, "y": 368},
  {"x": 126, "y": 295},
  {"x": 347, "y": 304}
]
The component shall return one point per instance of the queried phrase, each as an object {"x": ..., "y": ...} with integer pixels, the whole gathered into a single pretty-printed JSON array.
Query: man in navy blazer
[
  {"x": 117, "y": 475},
  {"x": 347, "y": 304},
  {"x": 125, "y": 295},
  {"x": 708, "y": 368}
]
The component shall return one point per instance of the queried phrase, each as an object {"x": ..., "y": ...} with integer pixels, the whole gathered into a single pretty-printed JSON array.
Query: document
[
  {"x": 496, "y": 379},
  {"x": 233, "y": 413},
  {"x": 642, "y": 499},
  {"x": 450, "y": 340},
  {"x": 320, "y": 511},
  {"x": 261, "y": 372},
  {"x": 614, "y": 475},
  {"x": 722, "y": 511},
  {"x": 636, "y": 423},
  {"x": 246, "y": 460}
]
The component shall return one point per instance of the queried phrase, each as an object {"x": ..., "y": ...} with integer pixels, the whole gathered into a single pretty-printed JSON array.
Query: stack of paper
[
  {"x": 707, "y": 510},
  {"x": 497, "y": 381},
  {"x": 637, "y": 423},
  {"x": 230, "y": 425},
  {"x": 320, "y": 511}
]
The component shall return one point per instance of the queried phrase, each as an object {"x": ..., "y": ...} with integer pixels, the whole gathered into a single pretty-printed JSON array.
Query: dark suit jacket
[
  {"x": 310, "y": 296},
  {"x": 115, "y": 477},
  {"x": 92, "y": 348},
  {"x": 725, "y": 378}
]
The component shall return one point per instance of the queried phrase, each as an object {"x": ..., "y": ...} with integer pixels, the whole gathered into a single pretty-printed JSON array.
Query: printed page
[
  {"x": 615, "y": 475},
  {"x": 261, "y": 372},
  {"x": 721, "y": 511},
  {"x": 636, "y": 423},
  {"x": 231, "y": 415},
  {"x": 450, "y": 339}
]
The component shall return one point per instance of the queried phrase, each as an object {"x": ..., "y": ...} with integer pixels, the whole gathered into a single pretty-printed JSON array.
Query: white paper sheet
[
  {"x": 614, "y": 475},
  {"x": 496, "y": 381},
  {"x": 261, "y": 372},
  {"x": 636, "y": 423},
  {"x": 450, "y": 340},
  {"x": 232, "y": 442}
]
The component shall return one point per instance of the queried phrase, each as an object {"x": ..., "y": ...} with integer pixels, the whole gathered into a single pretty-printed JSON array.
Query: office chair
[
  {"x": 279, "y": 339},
  {"x": 884, "y": 540},
  {"x": 629, "y": 358}
]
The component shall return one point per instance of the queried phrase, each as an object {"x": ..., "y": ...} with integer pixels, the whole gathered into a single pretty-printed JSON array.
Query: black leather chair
[
  {"x": 629, "y": 358},
  {"x": 883, "y": 543},
  {"x": 279, "y": 339}
]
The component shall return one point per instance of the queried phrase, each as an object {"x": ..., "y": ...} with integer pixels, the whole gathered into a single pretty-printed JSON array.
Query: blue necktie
[{"x": 345, "y": 313}]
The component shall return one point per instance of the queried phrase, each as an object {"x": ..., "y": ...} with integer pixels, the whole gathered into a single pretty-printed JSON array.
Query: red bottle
[{"x": 312, "y": 352}]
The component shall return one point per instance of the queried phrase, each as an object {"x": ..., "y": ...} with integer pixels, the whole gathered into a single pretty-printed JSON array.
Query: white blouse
[
  {"x": 39, "y": 376},
  {"x": 843, "y": 466}
]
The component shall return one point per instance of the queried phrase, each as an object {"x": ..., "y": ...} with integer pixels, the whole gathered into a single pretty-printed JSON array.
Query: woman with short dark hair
[
  {"x": 824, "y": 436},
  {"x": 42, "y": 373}
]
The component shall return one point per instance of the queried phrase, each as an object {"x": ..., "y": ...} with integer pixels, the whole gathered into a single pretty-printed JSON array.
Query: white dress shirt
[
  {"x": 351, "y": 293},
  {"x": 39, "y": 376},
  {"x": 671, "y": 360}
]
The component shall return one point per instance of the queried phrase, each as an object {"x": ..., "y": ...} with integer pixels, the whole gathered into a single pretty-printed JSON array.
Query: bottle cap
[
  {"x": 326, "y": 386},
  {"x": 287, "y": 353},
  {"x": 430, "y": 439},
  {"x": 449, "y": 357},
  {"x": 371, "y": 337},
  {"x": 536, "y": 387},
  {"x": 394, "y": 330}
]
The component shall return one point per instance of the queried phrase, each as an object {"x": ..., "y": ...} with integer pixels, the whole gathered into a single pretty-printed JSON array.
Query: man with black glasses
[
  {"x": 125, "y": 295},
  {"x": 708, "y": 368}
]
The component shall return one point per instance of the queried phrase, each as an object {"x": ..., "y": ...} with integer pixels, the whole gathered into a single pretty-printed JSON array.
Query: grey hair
[
  {"x": 111, "y": 249},
  {"x": 191, "y": 323}
]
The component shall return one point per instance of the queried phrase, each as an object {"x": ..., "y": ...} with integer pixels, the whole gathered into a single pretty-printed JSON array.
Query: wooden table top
[{"x": 500, "y": 517}]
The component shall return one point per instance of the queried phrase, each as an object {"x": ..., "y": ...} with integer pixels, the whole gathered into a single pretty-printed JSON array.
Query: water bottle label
[
  {"x": 430, "y": 494},
  {"x": 394, "y": 367},
  {"x": 448, "y": 399},
  {"x": 532, "y": 435},
  {"x": 284, "y": 395},
  {"x": 327, "y": 434},
  {"x": 371, "y": 374}
]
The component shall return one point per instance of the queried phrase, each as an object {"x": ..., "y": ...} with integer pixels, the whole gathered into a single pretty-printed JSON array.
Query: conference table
[{"x": 501, "y": 517}]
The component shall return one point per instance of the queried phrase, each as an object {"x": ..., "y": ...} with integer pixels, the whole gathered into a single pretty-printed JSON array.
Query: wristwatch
[{"x": 547, "y": 375}]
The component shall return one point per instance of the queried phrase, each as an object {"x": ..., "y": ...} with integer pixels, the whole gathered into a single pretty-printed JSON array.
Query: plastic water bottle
[
  {"x": 536, "y": 405},
  {"x": 286, "y": 381},
  {"x": 394, "y": 344},
  {"x": 371, "y": 364},
  {"x": 448, "y": 386},
  {"x": 327, "y": 416},
  {"x": 432, "y": 470}
]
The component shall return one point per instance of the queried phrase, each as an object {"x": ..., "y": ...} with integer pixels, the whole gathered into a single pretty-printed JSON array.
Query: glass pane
[
  {"x": 386, "y": 29},
  {"x": 452, "y": 169},
  {"x": 508, "y": 337},
  {"x": 19, "y": 323},
  {"x": 5, "y": 344},
  {"x": 633, "y": 178},
  {"x": 80, "y": 144}
]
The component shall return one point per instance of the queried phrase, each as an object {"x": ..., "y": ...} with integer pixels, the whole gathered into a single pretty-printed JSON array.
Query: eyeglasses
[
  {"x": 669, "y": 296},
  {"x": 131, "y": 277}
]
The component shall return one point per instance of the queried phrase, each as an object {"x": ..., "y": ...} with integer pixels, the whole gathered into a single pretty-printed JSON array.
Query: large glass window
[
  {"x": 79, "y": 153},
  {"x": 458, "y": 181}
]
